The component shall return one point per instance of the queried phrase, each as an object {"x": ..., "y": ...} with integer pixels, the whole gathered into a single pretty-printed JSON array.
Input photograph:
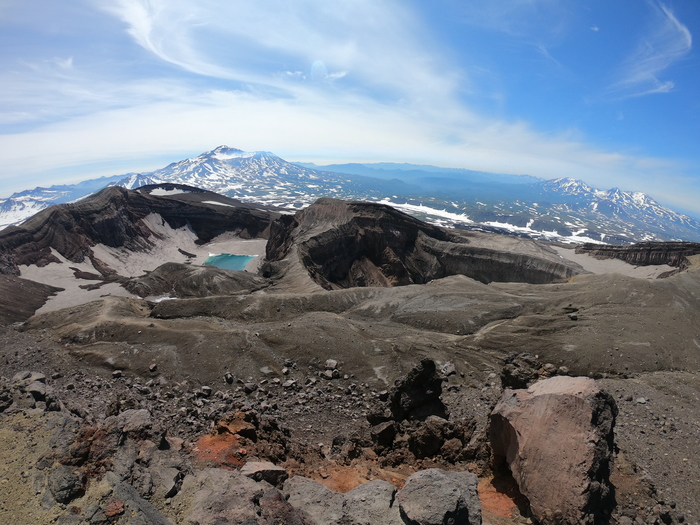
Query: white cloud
[
  {"x": 356, "y": 130},
  {"x": 667, "y": 42},
  {"x": 387, "y": 94},
  {"x": 379, "y": 43}
]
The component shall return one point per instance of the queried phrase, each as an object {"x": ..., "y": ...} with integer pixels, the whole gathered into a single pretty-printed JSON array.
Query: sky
[{"x": 603, "y": 91}]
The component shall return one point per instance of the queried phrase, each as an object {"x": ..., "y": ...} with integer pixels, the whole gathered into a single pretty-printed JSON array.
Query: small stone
[
  {"x": 153, "y": 367},
  {"x": 117, "y": 374},
  {"x": 264, "y": 471},
  {"x": 448, "y": 369},
  {"x": 21, "y": 376},
  {"x": 249, "y": 388},
  {"x": 228, "y": 377},
  {"x": 285, "y": 371},
  {"x": 66, "y": 483},
  {"x": 331, "y": 364},
  {"x": 641, "y": 401},
  {"x": 206, "y": 390}
]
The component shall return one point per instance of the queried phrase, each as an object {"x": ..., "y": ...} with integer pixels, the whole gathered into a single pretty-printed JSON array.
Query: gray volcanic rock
[
  {"x": 181, "y": 280},
  {"x": 66, "y": 483},
  {"x": 438, "y": 497},
  {"x": 556, "y": 438},
  {"x": 345, "y": 244},
  {"x": 367, "y": 504},
  {"x": 220, "y": 496},
  {"x": 114, "y": 217},
  {"x": 319, "y": 503}
]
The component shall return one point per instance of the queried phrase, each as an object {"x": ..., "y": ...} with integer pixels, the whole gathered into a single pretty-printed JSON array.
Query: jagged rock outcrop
[
  {"x": 345, "y": 244},
  {"x": 414, "y": 425},
  {"x": 417, "y": 395},
  {"x": 556, "y": 438},
  {"x": 114, "y": 217},
  {"x": 645, "y": 253},
  {"x": 181, "y": 280}
]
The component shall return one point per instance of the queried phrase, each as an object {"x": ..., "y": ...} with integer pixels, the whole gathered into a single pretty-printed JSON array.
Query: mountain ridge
[{"x": 563, "y": 209}]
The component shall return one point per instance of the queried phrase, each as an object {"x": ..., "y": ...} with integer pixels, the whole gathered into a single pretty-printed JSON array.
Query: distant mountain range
[{"x": 562, "y": 209}]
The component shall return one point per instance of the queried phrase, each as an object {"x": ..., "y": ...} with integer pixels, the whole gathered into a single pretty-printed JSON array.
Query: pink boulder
[{"x": 556, "y": 437}]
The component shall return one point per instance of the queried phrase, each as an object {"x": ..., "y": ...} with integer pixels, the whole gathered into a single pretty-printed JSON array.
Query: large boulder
[
  {"x": 438, "y": 497},
  {"x": 367, "y": 504},
  {"x": 556, "y": 438}
]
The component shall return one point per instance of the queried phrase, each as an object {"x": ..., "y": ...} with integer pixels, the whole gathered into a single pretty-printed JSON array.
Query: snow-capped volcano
[{"x": 561, "y": 209}]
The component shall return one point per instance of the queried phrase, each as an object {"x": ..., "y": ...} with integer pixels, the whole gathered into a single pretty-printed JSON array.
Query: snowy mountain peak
[
  {"x": 562, "y": 209},
  {"x": 226, "y": 153},
  {"x": 569, "y": 186}
]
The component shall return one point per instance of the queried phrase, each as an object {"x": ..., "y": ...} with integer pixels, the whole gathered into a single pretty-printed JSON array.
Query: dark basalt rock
[
  {"x": 346, "y": 244},
  {"x": 645, "y": 253},
  {"x": 519, "y": 370},
  {"x": 417, "y": 395},
  {"x": 66, "y": 483},
  {"x": 114, "y": 217}
]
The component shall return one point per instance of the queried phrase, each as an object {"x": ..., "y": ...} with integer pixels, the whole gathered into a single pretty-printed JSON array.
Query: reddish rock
[
  {"x": 114, "y": 508},
  {"x": 556, "y": 438}
]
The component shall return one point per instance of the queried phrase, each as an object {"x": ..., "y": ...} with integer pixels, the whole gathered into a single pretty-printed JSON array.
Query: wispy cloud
[
  {"x": 376, "y": 44},
  {"x": 664, "y": 44},
  {"x": 309, "y": 80},
  {"x": 518, "y": 18}
]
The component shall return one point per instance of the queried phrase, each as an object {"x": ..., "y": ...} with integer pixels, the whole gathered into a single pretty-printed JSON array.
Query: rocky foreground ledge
[{"x": 552, "y": 439}]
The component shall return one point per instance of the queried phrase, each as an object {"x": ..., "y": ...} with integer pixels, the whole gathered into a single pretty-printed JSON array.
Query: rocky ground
[
  {"x": 656, "y": 432},
  {"x": 119, "y": 409}
]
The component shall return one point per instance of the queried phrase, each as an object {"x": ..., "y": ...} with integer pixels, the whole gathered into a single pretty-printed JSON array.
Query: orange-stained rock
[{"x": 556, "y": 437}]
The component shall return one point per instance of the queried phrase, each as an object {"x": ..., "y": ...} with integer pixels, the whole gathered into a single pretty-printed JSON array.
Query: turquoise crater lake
[{"x": 226, "y": 261}]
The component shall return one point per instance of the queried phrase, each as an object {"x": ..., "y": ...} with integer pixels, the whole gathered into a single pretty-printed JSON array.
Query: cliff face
[
  {"x": 114, "y": 217},
  {"x": 345, "y": 244},
  {"x": 645, "y": 253}
]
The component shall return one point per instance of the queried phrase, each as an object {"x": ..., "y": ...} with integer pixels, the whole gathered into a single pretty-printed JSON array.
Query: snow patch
[
  {"x": 218, "y": 203},
  {"x": 420, "y": 208},
  {"x": 159, "y": 192}
]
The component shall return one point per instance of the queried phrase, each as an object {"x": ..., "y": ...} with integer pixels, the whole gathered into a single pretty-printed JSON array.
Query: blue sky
[{"x": 604, "y": 91}]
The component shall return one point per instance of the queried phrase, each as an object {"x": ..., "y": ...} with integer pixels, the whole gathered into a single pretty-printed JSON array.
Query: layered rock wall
[{"x": 645, "y": 253}]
